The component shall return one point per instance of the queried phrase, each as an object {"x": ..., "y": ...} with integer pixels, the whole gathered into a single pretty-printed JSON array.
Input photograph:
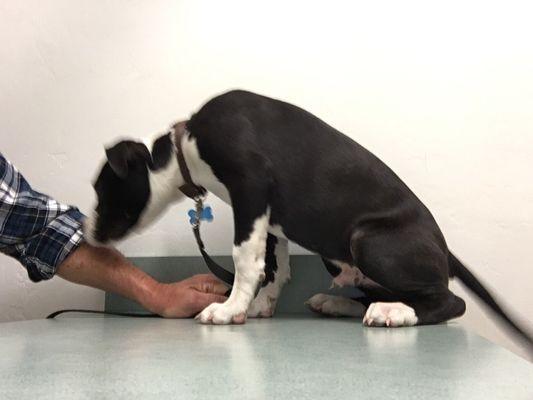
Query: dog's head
[{"x": 129, "y": 190}]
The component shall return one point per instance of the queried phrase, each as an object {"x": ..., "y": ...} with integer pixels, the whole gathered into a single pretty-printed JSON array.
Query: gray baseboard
[{"x": 309, "y": 277}]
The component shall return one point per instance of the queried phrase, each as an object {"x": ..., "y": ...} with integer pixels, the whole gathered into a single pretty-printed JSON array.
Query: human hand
[{"x": 188, "y": 297}]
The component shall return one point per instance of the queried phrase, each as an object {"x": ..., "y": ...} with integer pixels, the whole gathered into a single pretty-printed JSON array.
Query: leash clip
[{"x": 199, "y": 203}]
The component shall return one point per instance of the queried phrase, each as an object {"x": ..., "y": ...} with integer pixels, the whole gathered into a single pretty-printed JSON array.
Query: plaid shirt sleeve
[{"x": 35, "y": 229}]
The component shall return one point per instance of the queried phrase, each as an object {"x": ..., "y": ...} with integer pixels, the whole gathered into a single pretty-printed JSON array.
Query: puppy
[{"x": 290, "y": 176}]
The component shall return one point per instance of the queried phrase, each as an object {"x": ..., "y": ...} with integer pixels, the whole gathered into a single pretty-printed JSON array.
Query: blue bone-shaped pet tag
[{"x": 205, "y": 215}]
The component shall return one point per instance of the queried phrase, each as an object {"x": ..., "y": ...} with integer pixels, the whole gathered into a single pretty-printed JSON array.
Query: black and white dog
[{"x": 290, "y": 176}]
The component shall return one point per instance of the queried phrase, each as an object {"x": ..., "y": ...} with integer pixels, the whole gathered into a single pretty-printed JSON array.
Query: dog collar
[{"x": 189, "y": 188}]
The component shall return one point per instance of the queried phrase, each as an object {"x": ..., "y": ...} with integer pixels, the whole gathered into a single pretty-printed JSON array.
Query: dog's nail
[
  {"x": 387, "y": 322},
  {"x": 369, "y": 322}
]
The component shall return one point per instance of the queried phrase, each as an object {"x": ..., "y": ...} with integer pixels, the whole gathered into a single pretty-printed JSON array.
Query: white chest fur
[{"x": 202, "y": 174}]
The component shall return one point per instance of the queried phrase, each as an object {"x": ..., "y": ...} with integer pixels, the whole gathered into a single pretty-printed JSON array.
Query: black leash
[
  {"x": 197, "y": 193},
  {"x": 220, "y": 272},
  {"x": 119, "y": 314}
]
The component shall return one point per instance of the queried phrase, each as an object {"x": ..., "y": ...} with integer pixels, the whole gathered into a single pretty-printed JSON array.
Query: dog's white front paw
[
  {"x": 336, "y": 306},
  {"x": 221, "y": 314},
  {"x": 390, "y": 314}
]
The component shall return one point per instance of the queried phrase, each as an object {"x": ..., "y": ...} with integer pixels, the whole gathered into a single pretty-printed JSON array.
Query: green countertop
[{"x": 288, "y": 357}]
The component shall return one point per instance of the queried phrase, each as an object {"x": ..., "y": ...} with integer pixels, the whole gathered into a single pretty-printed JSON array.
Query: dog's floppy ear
[
  {"x": 117, "y": 158},
  {"x": 124, "y": 153},
  {"x": 139, "y": 151}
]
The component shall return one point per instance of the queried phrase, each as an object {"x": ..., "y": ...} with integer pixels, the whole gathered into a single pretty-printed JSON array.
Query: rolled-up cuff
[{"x": 42, "y": 254}]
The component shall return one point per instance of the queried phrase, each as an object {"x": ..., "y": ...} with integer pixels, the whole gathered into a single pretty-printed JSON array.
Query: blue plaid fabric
[{"x": 34, "y": 228}]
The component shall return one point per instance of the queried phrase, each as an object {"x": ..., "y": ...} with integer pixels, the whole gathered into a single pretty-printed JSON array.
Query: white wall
[{"x": 442, "y": 93}]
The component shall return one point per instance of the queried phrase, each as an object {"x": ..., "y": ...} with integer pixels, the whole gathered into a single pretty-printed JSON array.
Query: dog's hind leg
[
  {"x": 426, "y": 310},
  {"x": 277, "y": 273},
  {"x": 415, "y": 270}
]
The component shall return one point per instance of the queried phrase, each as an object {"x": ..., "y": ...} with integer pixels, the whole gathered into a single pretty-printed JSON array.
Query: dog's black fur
[{"x": 329, "y": 194}]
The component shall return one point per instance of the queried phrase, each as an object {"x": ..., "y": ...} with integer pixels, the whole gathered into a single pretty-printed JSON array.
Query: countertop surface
[{"x": 288, "y": 357}]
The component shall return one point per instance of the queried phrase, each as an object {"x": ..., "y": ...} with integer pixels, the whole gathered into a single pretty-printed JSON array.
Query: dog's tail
[{"x": 457, "y": 269}]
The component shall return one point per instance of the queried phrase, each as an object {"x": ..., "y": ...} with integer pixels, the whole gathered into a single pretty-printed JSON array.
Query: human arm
[{"x": 109, "y": 270}]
